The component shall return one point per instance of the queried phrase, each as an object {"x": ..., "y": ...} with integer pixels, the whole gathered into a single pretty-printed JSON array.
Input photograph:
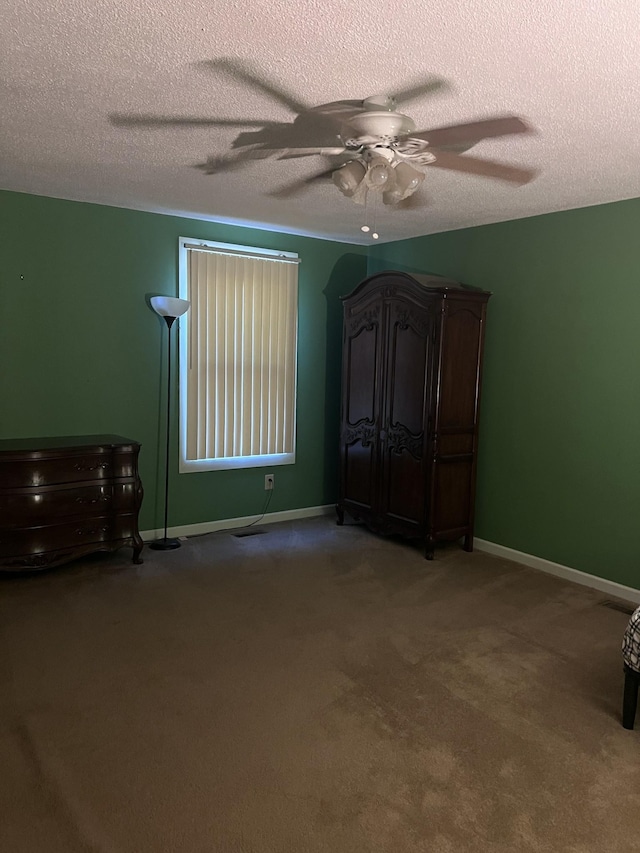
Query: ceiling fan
[{"x": 370, "y": 145}]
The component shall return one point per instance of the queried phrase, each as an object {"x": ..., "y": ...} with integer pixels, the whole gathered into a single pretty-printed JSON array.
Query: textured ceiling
[{"x": 570, "y": 69}]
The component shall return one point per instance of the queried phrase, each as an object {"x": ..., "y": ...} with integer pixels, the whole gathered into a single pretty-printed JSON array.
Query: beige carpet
[{"x": 314, "y": 689}]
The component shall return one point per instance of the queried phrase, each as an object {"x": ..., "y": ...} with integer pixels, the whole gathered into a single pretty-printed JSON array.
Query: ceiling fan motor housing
[
  {"x": 383, "y": 127},
  {"x": 379, "y": 102}
]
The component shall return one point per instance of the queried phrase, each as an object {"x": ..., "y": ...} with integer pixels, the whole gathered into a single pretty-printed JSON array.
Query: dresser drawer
[
  {"x": 70, "y": 534},
  {"x": 37, "y": 540},
  {"x": 33, "y": 507},
  {"x": 49, "y": 471},
  {"x": 47, "y": 505}
]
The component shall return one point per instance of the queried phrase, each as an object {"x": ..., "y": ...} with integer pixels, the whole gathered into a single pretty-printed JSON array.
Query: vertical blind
[{"x": 241, "y": 355}]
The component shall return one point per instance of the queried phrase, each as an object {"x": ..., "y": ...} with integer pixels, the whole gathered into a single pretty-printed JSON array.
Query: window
[{"x": 238, "y": 347}]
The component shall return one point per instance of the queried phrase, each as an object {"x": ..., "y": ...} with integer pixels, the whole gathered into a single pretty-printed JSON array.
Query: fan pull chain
[
  {"x": 376, "y": 204},
  {"x": 366, "y": 228}
]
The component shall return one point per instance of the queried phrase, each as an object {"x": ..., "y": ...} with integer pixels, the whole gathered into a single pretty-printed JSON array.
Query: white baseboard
[
  {"x": 616, "y": 590},
  {"x": 229, "y": 523}
]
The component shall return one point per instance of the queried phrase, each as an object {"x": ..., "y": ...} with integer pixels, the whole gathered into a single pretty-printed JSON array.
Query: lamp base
[{"x": 165, "y": 544}]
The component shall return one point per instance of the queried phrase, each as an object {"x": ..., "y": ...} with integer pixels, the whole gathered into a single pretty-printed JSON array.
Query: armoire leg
[
  {"x": 630, "y": 699},
  {"x": 340, "y": 514},
  {"x": 429, "y": 546},
  {"x": 468, "y": 542}
]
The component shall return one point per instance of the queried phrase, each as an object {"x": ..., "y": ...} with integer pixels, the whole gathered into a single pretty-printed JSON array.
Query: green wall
[
  {"x": 81, "y": 352},
  {"x": 559, "y": 464}
]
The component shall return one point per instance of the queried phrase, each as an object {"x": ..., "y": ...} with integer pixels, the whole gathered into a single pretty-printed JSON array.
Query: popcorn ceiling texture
[{"x": 569, "y": 69}]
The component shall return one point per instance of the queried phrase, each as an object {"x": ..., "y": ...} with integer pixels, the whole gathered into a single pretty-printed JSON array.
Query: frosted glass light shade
[
  {"x": 348, "y": 177},
  {"x": 379, "y": 173},
  {"x": 169, "y": 306},
  {"x": 407, "y": 181}
]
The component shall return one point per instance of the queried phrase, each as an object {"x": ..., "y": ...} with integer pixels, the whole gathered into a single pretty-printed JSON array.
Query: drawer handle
[
  {"x": 103, "y": 499},
  {"x": 89, "y": 531},
  {"x": 80, "y": 466}
]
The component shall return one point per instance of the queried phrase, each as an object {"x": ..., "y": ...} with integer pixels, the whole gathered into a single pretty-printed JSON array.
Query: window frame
[{"x": 231, "y": 462}]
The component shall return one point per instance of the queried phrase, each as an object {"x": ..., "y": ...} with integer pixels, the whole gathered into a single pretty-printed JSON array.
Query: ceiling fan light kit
[{"x": 395, "y": 180}]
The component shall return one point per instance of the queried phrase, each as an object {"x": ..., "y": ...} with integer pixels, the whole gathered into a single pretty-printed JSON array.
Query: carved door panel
[
  {"x": 457, "y": 416},
  {"x": 361, "y": 386},
  {"x": 409, "y": 339}
]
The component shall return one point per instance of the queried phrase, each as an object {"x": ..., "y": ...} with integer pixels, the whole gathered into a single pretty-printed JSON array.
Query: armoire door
[
  {"x": 361, "y": 402},
  {"x": 408, "y": 356},
  {"x": 453, "y": 476}
]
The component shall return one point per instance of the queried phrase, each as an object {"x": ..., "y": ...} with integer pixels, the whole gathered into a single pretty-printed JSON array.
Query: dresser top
[{"x": 8, "y": 445}]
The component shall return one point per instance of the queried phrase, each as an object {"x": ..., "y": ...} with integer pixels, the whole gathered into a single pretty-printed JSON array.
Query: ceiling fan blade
[
  {"x": 215, "y": 164},
  {"x": 418, "y": 89},
  {"x": 260, "y": 152},
  {"x": 293, "y": 153},
  {"x": 239, "y": 72},
  {"x": 295, "y": 187},
  {"x": 124, "y": 120},
  {"x": 309, "y": 130},
  {"x": 485, "y": 168},
  {"x": 456, "y": 134}
]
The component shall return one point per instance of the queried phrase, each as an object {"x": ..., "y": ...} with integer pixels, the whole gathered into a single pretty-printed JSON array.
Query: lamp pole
[{"x": 169, "y": 309}]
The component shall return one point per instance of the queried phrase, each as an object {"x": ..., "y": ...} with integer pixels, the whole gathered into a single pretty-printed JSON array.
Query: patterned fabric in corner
[{"x": 631, "y": 642}]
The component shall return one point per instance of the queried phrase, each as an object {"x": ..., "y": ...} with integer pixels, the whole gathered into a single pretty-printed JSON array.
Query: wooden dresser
[{"x": 61, "y": 498}]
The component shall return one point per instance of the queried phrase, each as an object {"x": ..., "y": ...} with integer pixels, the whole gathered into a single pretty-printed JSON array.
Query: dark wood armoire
[{"x": 411, "y": 371}]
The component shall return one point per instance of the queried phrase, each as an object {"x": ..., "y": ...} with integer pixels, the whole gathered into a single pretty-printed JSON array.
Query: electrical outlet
[{"x": 268, "y": 482}]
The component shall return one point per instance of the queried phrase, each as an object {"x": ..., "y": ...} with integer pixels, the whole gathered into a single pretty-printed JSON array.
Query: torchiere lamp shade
[{"x": 169, "y": 306}]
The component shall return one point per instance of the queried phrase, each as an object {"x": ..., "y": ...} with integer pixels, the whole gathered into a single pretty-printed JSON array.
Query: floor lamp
[{"x": 169, "y": 308}]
